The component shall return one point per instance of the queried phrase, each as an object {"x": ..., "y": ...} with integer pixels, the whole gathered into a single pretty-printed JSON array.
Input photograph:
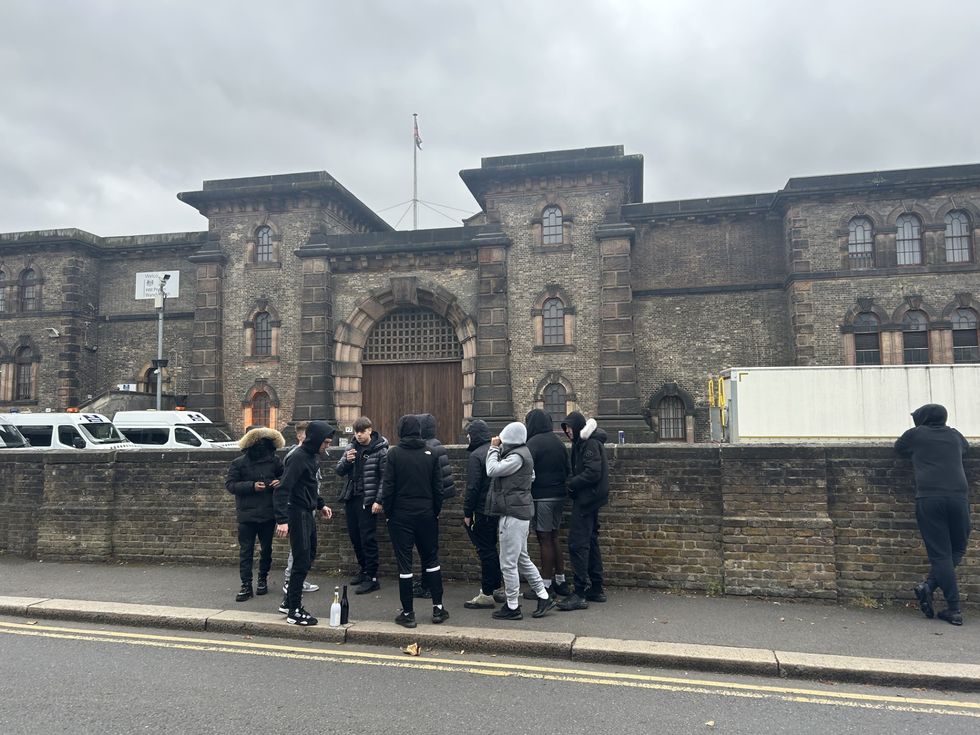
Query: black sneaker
[
  {"x": 505, "y": 613},
  {"x": 953, "y": 618},
  {"x": 544, "y": 606},
  {"x": 439, "y": 615},
  {"x": 420, "y": 590},
  {"x": 262, "y": 588},
  {"x": 406, "y": 619},
  {"x": 595, "y": 595},
  {"x": 357, "y": 579},
  {"x": 284, "y": 606},
  {"x": 245, "y": 593},
  {"x": 531, "y": 595},
  {"x": 573, "y": 602},
  {"x": 299, "y": 616},
  {"x": 561, "y": 588},
  {"x": 924, "y": 597},
  {"x": 368, "y": 585}
]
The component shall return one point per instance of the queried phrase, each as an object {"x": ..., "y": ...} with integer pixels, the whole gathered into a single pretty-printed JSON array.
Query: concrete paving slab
[
  {"x": 698, "y": 657},
  {"x": 457, "y": 638},
  {"x": 880, "y": 671},
  {"x": 18, "y": 605},
  {"x": 273, "y": 625},
  {"x": 122, "y": 613}
]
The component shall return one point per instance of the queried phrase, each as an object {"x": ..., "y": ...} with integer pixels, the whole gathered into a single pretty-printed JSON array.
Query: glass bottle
[
  {"x": 335, "y": 608},
  {"x": 344, "y": 608}
]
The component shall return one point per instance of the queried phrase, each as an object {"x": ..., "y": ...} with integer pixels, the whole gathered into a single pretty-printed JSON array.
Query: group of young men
[{"x": 524, "y": 475}]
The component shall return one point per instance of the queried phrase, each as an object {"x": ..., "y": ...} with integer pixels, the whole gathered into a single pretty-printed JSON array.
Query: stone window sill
[
  {"x": 271, "y": 265},
  {"x": 553, "y": 348}
]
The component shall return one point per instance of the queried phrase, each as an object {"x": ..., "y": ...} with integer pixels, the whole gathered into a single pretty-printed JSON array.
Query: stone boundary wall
[{"x": 834, "y": 522}]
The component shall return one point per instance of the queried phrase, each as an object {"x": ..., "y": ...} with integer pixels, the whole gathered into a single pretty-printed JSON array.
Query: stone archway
[{"x": 350, "y": 338}]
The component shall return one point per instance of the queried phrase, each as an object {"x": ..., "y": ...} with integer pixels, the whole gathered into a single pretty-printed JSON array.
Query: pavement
[{"x": 889, "y": 646}]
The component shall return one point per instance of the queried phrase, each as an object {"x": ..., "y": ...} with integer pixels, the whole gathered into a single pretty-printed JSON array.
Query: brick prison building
[{"x": 565, "y": 291}]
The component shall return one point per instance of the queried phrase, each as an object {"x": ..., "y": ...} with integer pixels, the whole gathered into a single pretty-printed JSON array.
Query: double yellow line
[{"x": 524, "y": 671}]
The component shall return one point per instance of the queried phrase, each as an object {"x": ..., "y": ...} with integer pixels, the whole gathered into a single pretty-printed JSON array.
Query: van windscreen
[
  {"x": 212, "y": 433},
  {"x": 10, "y": 438}
]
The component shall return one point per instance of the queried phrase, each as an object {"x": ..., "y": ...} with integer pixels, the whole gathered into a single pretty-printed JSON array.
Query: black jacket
[
  {"x": 589, "y": 481},
  {"x": 551, "y": 466},
  {"x": 427, "y": 422},
  {"x": 364, "y": 473},
  {"x": 412, "y": 482},
  {"x": 936, "y": 451},
  {"x": 300, "y": 489},
  {"x": 477, "y": 482},
  {"x": 258, "y": 463}
]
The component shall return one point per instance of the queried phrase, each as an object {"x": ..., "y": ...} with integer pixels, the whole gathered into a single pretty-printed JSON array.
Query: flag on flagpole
[{"x": 418, "y": 138}]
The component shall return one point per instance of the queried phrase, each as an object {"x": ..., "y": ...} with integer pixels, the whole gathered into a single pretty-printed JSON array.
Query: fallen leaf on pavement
[
  {"x": 413, "y": 649},
  {"x": 710, "y": 723},
  {"x": 30, "y": 622}
]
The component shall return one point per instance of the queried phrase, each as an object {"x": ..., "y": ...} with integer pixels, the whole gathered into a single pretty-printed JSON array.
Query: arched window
[
  {"x": 24, "y": 387},
  {"x": 261, "y": 409},
  {"x": 551, "y": 226},
  {"x": 958, "y": 236},
  {"x": 263, "y": 334},
  {"x": 670, "y": 412},
  {"x": 555, "y": 403},
  {"x": 149, "y": 382},
  {"x": 28, "y": 290},
  {"x": 867, "y": 342},
  {"x": 860, "y": 243},
  {"x": 966, "y": 347},
  {"x": 915, "y": 338},
  {"x": 264, "y": 252},
  {"x": 908, "y": 240},
  {"x": 553, "y": 313},
  {"x": 3, "y": 292}
]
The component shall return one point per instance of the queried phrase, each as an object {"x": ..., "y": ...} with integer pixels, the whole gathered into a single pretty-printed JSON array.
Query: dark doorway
[{"x": 393, "y": 390}]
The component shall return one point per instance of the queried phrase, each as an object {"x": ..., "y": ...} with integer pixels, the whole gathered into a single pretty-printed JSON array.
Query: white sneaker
[
  {"x": 480, "y": 602},
  {"x": 310, "y": 587}
]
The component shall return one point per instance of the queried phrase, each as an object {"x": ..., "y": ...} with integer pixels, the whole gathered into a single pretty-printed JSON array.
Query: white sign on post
[{"x": 148, "y": 284}]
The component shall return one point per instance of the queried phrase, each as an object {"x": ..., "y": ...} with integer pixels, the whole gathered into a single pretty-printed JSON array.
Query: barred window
[
  {"x": 412, "y": 335},
  {"x": 867, "y": 342},
  {"x": 263, "y": 334},
  {"x": 966, "y": 346},
  {"x": 24, "y": 388},
  {"x": 908, "y": 241},
  {"x": 261, "y": 409},
  {"x": 958, "y": 236},
  {"x": 670, "y": 412},
  {"x": 915, "y": 338},
  {"x": 263, "y": 244},
  {"x": 3, "y": 292},
  {"x": 551, "y": 226},
  {"x": 28, "y": 290},
  {"x": 554, "y": 322},
  {"x": 860, "y": 243},
  {"x": 555, "y": 404}
]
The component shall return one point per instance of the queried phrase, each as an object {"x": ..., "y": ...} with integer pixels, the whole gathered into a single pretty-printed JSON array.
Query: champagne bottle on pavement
[
  {"x": 344, "y": 608},
  {"x": 335, "y": 608}
]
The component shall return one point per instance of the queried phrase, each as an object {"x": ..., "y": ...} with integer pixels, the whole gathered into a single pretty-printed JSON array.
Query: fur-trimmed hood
[{"x": 254, "y": 436}]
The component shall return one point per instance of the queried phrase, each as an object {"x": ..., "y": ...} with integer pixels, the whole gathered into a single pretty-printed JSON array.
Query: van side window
[
  {"x": 39, "y": 436},
  {"x": 67, "y": 435},
  {"x": 147, "y": 436},
  {"x": 186, "y": 436}
]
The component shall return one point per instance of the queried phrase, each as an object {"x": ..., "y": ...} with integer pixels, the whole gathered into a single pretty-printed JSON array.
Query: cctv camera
[{"x": 52, "y": 332}]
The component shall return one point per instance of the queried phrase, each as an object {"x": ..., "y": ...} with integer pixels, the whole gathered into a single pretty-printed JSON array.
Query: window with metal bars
[
  {"x": 551, "y": 226},
  {"x": 670, "y": 412},
  {"x": 28, "y": 290},
  {"x": 555, "y": 404},
  {"x": 958, "y": 236},
  {"x": 3, "y": 292},
  {"x": 412, "y": 335},
  {"x": 24, "y": 374},
  {"x": 553, "y": 314},
  {"x": 263, "y": 334},
  {"x": 261, "y": 409},
  {"x": 867, "y": 340},
  {"x": 263, "y": 245},
  {"x": 860, "y": 243},
  {"x": 908, "y": 240},
  {"x": 966, "y": 345},
  {"x": 915, "y": 338}
]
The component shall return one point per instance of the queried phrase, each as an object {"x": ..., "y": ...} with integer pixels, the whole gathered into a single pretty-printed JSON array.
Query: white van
[
  {"x": 172, "y": 430},
  {"x": 10, "y": 437},
  {"x": 68, "y": 431}
]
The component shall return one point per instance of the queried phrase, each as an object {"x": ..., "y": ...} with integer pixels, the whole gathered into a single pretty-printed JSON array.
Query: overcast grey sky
[{"x": 110, "y": 107}]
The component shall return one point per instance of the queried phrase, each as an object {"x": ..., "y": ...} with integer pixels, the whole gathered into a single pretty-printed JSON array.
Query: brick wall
[{"x": 831, "y": 522}]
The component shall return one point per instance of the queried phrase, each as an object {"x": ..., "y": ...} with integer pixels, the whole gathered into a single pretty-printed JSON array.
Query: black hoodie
[
  {"x": 412, "y": 483},
  {"x": 936, "y": 451},
  {"x": 427, "y": 427},
  {"x": 299, "y": 489},
  {"x": 589, "y": 481},
  {"x": 550, "y": 457},
  {"x": 477, "y": 482}
]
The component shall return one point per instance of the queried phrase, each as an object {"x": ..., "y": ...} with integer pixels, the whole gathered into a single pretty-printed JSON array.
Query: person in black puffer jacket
[
  {"x": 427, "y": 424},
  {"x": 942, "y": 505},
  {"x": 362, "y": 463},
  {"x": 550, "y": 489},
  {"x": 588, "y": 486},
  {"x": 411, "y": 498},
  {"x": 481, "y": 528},
  {"x": 252, "y": 479}
]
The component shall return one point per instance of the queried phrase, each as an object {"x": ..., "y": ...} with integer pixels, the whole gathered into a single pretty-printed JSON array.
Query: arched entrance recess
[{"x": 419, "y": 373}]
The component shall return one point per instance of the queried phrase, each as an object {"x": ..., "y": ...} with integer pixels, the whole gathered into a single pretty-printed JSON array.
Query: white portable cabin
[{"x": 172, "y": 430}]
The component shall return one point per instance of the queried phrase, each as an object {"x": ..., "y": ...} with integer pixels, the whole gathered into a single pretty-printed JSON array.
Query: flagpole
[{"x": 415, "y": 171}]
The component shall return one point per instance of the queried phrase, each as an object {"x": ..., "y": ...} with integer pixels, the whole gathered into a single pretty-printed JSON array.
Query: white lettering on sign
[{"x": 148, "y": 284}]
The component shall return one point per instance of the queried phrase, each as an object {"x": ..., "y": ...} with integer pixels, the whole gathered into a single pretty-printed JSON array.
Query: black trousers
[
  {"x": 420, "y": 532},
  {"x": 583, "y": 550},
  {"x": 944, "y": 522},
  {"x": 483, "y": 534},
  {"x": 302, "y": 543},
  {"x": 362, "y": 527},
  {"x": 248, "y": 531}
]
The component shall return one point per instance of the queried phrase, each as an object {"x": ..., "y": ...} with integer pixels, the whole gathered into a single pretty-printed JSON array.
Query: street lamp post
[{"x": 160, "y": 363}]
